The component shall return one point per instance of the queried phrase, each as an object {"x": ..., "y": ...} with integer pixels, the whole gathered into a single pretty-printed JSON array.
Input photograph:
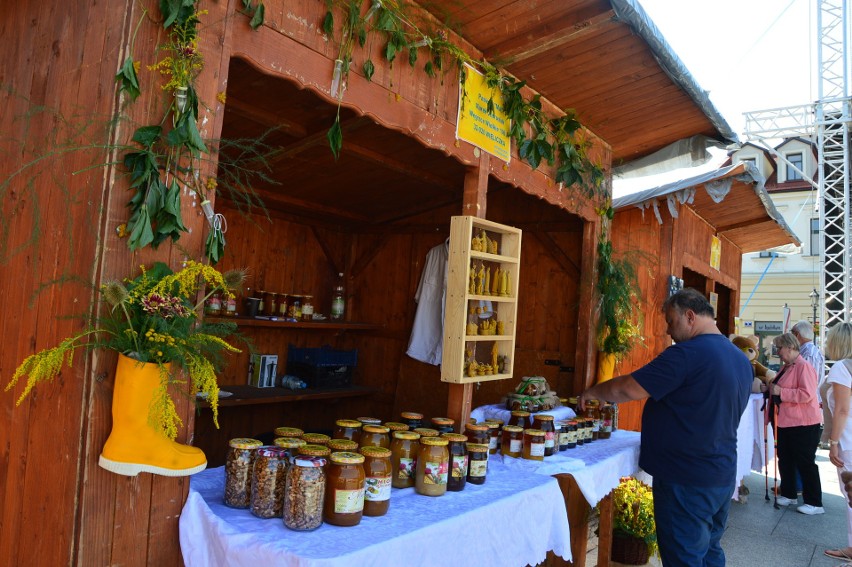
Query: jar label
[
  {"x": 564, "y": 438},
  {"x": 459, "y": 466},
  {"x": 492, "y": 444},
  {"x": 377, "y": 488},
  {"x": 435, "y": 473},
  {"x": 606, "y": 426},
  {"x": 478, "y": 468},
  {"x": 596, "y": 425},
  {"x": 407, "y": 468},
  {"x": 515, "y": 445},
  {"x": 572, "y": 436},
  {"x": 348, "y": 501},
  {"x": 536, "y": 449},
  {"x": 549, "y": 439}
]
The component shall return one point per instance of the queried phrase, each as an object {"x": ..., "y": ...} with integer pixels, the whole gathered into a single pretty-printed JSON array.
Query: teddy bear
[{"x": 749, "y": 346}]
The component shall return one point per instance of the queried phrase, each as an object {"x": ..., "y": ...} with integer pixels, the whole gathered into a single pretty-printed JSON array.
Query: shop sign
[
  {"x": 488, "y": 131},
  {"x": 715, "y": 253},
  {"x": 768, "y": 327}
]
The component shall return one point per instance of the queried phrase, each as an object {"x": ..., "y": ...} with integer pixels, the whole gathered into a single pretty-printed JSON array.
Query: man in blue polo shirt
[{"x": 698, "y": 390}]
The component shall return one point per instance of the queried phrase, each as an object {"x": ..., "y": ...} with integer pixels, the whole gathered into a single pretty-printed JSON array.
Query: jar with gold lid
[
  {"x": 289, "y": 432},
  {"x": 432, "y": 466},
  {"x": 344, "y": 498},
  {"x": 574, "y": 404},
  {"x": 369, "y": 420},
  {"x": 290, "y": 445},
  {"x": 545, "y": 423},
  {"x": 581, "y": 430},
  {"x": 593, "y": 413},
  {"x": 533, "y": 444},
  {"x": 347, "y": 429},
  {"x": 513, "y": 441},
  {"x": 426, "y": 432},
  {"x": 572, "y": 428},
  {"x": 316, "y": 438},
  {"x": 396, "y": 426},
  {"x": 443, "y": 424},
  {"x": 304, "y": 493},
  {"x": 478, "y": 433},
  {"x": 404, "y": 450},
  {"x": 345, "y": 445},
  {"x": 496, "y": 431},
  {"x": 478, "y": 467},
  {"x": 607, "y": 418},
  {"x": 267, "y": 484},
  {"x": 377, "y": 484},
  {"x": 375, "y": 436},
  {"x": 239, "y": 467},
  {"x": 314, "y": 450},
  {"x": 520, "y": 418},
  {"x": 412, "y": 419},
  {"x": 457, "y": 448}
]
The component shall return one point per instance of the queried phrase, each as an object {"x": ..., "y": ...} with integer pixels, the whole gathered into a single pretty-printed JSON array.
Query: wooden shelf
[
  {"x": 249, "y": 395},
  {"x": 489, "y": 338},
  {"x": 494, "y": 257},
  {"x": 497, "y": 298},
  {"x": 301, "y": 325}
]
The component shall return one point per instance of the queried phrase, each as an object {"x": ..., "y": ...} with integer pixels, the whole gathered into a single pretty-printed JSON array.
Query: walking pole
[
  {"x": 766, "y": 459},
  {"x": 775, "y": 457}
]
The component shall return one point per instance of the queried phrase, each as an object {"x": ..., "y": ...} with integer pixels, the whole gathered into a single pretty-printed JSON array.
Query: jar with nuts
[
  {"x": 267, "y": 484},
  {"x": 239, "y": 466},
  {"x": 304, "y": 493}
]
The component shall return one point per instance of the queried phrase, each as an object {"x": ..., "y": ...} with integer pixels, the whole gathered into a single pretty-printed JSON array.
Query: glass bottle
[
  {"x": 375, "y": 436},
  {"x": 377, "y": 484},
  {"x": 239, "y": 466},
  {"x": 457, "y": 448},
  {"x": 338, "y": 301},
  {"x": 607, "y": 415},
  {"x": 308, "y": 308},
  {"x": 545, "y": 423},
  {"x": 404, "y": 449},
  {"x": 432, "y": 466},
  {"x": 304, "y": 492},
  {"x": 345, "y": 478},
  {"x": 271, "y": 305},
  {"x": 513, "y": 441},
  {"x": 533, "y": 444},
  {"x": 267, "y": 484}
]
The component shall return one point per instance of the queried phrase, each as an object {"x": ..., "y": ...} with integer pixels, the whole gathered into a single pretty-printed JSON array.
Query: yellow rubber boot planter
[
  {"x": 606, "y": 366},
  {"x": 134, "y": 446}
]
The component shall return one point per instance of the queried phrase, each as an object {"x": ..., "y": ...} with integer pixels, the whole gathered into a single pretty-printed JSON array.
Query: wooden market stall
[{"x": 371, "y": 215}]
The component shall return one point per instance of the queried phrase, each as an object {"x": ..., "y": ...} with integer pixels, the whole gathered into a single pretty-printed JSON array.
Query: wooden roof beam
[
  {"x": 266, "y": 118},
  {"x": 408, "y": 169}
]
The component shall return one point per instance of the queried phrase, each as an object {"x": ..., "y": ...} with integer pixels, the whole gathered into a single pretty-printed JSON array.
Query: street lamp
[{"x": 814, "y": 303}]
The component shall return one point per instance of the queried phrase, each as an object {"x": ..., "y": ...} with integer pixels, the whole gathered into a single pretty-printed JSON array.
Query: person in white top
[
  {"x": 838, "y": 347},
  {"x": 804, "y": 333}
]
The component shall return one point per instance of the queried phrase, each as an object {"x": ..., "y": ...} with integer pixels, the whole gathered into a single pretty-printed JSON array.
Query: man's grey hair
[{"x": 804, "y": 329}]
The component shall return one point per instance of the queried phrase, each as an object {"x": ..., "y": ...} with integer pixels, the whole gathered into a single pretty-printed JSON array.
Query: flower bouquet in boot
[
  {"x": 152, "y": 323},
  {"x": 634, "y": 531}
]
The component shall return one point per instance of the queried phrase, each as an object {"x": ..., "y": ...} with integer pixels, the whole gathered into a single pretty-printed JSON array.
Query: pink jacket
[{"x": 799, "y": 403}]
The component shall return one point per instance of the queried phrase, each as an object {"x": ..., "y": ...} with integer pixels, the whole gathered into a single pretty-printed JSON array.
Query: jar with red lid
[
  {"x": 520, "y": 418},
  {"x": 457, "y": 448},
  {"x": 513, "y": 441},
  {"x": 375, "y": 436},
  {"x": 347, "y": 429},
  {"x": 404, "y": 450},
  {"x": 344, "y": 498},
  {"x": 533, "y": 444},
  {"x": 478, "y": 433},
  {"x": 267, "y": 484},
  {"x": 377, "y": 483},
  {"x": 432, "y": 466},
  {"x": 545, "y": 423}
]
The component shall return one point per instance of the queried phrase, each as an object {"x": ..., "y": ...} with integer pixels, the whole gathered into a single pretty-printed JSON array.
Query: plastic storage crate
[{"x": 322, "y": 367}]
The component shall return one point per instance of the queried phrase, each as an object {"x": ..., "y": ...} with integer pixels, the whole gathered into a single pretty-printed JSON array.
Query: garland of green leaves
[
  {"x": 165, "y": 161},
  {"x": 557, "y": 141}
]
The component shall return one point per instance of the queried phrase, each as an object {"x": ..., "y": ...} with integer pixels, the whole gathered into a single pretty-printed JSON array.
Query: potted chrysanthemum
[
  {"x": 634, "y": 532},
  {"x": 152, "y": 323}
]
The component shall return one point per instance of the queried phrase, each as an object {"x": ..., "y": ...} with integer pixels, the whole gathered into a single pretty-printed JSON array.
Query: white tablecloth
[
  {"x": 499, "y": 411},
  {"x": 751, "y": 452},
  {"x": 461, "y": 528}
]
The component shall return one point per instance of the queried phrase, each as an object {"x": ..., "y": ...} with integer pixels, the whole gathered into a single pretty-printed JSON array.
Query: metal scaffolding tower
[{"x": 828, "y": 118}]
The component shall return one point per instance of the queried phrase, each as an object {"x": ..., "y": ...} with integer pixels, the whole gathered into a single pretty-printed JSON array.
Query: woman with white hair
[{"x": 838, "y": 347}]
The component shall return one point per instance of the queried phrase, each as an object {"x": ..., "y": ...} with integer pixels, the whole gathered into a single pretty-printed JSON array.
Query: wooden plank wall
[{"x": 663, "y": 250}]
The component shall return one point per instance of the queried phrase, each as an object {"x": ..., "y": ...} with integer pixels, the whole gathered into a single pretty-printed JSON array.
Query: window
[
  {"x": 794, "y": 160},
  {"x": 768, "y": 254},
  {"x": 751, "y": 160},
  {"x": 816, "y": 241}
]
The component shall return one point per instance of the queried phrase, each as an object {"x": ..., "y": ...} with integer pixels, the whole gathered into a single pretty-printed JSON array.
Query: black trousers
[{"x": 797, "y": 452}]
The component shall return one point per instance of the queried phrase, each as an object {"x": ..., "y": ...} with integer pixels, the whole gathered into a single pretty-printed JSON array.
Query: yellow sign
[
  {"x": 715, "y": 253},
  {"x": 488, "y": 131}
]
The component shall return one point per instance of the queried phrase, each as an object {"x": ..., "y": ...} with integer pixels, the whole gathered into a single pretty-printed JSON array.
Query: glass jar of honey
[
  {"x": 562, "y": 434},
  {"x": 581, "y": 430},
  {"x": 344, "y": 498},
  {"x": 396, "y": 426},
  {"x": 314, "y": 450},
  {"x": 344, "y": 445},
  {"x": 545, "y": 423},
  {"x": 270, "y": 307},
  {"x": 478, "y": 468},
  {"x": 239, "y": 467},
  {"x": 432, "y": 466},
  {"x": 412, "y": 419},
  {"x": 572, "y": 434},
  {"x": 267, "y": 484},
  {"x": 520, "y": 418},
  {"x": 304, "y": 492},
  {"x": 377, "y": 483},
  {"x": 593, "y": 413},
  {"x": 589, "y": 427},
  {"x": 289, "y": 432},
  {"x": 347, "y": 429},
  {"x": 513, "y": 441},
  {"x": 478, "y": 433},
  {"x": 458, "y": 461},
  {"x": 533, "y": 444},
  {"x": 283, "y": 305},
  {"x": 308, "y": 308},
  {"x": 316, "y": 438},
  {"x": 426, "y": 432},
  {"x": 443, "y": 424},
  {"x": 375, "y": 436},
  {"x": 607, "y": 418},
  {"x": 404, "y": 449},
  {"x": 574, "y": 404},
  {"x": 495, "y": 427},
  {"x": 290, "y": 445}
]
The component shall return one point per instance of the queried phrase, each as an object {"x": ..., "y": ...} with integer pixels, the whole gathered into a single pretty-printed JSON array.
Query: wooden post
[{"x": 473, "y": 203}]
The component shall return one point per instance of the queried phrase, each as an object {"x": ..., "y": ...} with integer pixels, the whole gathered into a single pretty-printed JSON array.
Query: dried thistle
[{"x": 114, "y": 293}]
